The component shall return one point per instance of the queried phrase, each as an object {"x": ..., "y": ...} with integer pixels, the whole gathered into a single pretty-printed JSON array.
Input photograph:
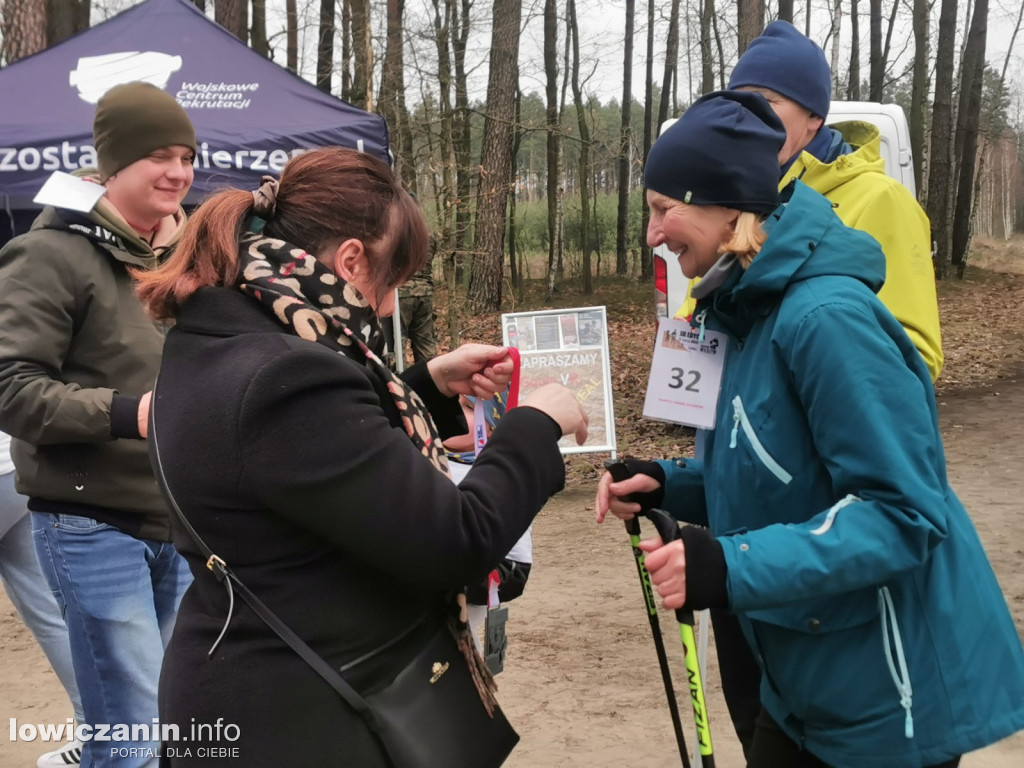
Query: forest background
[{"x": 523, "y": 125}]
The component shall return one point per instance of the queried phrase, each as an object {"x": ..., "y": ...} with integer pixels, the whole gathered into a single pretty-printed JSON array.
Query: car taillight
[{"x": 660, "y": 287}]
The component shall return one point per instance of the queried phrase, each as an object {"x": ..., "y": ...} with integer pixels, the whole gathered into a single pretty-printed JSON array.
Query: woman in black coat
[{"x": 314, "y": 471}]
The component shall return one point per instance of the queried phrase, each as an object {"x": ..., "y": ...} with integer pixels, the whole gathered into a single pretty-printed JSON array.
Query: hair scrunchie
[{"x": 264, "y": 199}]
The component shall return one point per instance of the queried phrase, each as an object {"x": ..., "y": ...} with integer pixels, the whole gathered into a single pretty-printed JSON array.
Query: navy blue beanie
[
  {"x": 785, "y": 61},
  {"x": 724, "y": 150}
]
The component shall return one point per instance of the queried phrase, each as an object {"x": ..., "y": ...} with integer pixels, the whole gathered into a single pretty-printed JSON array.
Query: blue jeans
[
  {"x": 29, "y": 591},
  {"x": 120, "y": 596}
]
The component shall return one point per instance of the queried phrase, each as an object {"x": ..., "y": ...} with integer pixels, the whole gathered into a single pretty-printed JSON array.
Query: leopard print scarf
[{"x": 315, "y": 304}]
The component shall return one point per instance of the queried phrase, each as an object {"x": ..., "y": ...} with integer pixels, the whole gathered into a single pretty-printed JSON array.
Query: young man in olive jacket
[{"x": 78, "y": 359}]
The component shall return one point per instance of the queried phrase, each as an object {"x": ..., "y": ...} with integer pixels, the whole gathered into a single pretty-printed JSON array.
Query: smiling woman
[
  {"x": 707, "y": 203},
  {"x": 818, "y": 502},
  {"x": 696, "y": 234}
]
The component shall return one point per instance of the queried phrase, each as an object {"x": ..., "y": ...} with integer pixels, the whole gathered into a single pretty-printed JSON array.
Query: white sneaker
[{"x": 69, "y": 754}]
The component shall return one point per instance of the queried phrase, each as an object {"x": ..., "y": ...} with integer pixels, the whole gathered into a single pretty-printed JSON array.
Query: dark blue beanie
[
  {"x": 782, "y": 59},
  {"x": 724, "y": 150}
]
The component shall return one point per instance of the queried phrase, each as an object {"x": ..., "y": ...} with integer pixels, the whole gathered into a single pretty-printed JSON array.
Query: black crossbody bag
[{"x": 430, "y": 716}]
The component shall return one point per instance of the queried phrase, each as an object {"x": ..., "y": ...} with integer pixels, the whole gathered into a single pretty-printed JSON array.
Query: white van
[{"x": 670, "y": 285}]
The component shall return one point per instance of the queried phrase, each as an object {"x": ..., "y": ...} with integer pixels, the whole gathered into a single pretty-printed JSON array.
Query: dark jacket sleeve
[
  {"x": 41, "y": 298},
  {"x": 446, "y": 411},
  {"x": 321, "y": 452}
]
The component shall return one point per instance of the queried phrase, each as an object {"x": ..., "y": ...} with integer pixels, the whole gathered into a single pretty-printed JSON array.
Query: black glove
[
  {"x": 705, "y": 569},
  {"x": 649, "y": 499}
]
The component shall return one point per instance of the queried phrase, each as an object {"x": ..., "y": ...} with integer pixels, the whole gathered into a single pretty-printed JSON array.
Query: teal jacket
[{"x": 859, "y": 580}]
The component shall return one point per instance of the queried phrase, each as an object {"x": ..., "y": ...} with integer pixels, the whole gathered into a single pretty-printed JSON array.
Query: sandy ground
[{"x": 581, "y": 683}]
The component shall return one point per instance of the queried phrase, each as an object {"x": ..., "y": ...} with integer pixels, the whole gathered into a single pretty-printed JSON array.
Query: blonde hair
[{"x": 747, "y": 238}]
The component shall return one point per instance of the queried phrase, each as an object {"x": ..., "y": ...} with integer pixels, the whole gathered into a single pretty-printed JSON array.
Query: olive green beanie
[{"x": 133, "y": 120}]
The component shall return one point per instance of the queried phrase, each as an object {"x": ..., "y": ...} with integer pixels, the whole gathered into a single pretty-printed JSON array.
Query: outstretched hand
[{"x": 611, "y": 495}]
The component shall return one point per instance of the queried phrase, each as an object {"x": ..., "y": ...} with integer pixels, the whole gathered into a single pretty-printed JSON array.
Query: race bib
[{"x": 686, "y": 374}]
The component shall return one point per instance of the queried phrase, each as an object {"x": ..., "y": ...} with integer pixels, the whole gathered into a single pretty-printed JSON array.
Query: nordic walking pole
[
  {"x": 619, "y": 472},
  {"x": 668, "y": 529}
]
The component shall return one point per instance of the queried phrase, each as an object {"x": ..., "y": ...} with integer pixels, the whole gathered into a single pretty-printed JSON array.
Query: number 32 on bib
[{"x": 686, "y": 375}]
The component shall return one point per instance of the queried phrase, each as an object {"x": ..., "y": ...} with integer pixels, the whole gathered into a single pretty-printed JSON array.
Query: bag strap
[{"x": 223, "y": 571}]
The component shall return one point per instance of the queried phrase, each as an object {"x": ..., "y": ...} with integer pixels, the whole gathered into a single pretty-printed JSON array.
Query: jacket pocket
[
  {"x": 741, "y": 422},
  {"x": 78, "y": 524},
  {"x": 849, "y": 642}
]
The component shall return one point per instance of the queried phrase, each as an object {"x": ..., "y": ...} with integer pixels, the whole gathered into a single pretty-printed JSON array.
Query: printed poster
[{"x": 570, "y": 347}]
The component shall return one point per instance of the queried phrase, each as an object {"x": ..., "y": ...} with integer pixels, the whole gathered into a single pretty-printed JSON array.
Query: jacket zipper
[
  {"x": 700, "y": 320},
  {"x": 898, "y": 666},
  {"x": 739, "y": 418}
]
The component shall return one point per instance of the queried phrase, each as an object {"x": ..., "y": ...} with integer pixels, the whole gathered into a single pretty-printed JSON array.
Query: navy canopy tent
[{"x": 250, "y": 114}]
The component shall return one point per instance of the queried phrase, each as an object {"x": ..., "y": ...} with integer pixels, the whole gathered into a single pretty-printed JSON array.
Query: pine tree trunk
[
  {"x": 749, "y": 21},
  {"x": 65, "y": 18},
  {"x": 553, "y": 128},
  {"x": 361, "y": 94},
  {"x": 292, "y": 34},
  {"x": 940, "y": 170},
  {"x": 446, "y": 154},
  {"x": 325, "y": 46},
  {"x": 717, "y": 37},
  {"x": 968, "y": 119},
  {"x": 919, "y": 91},
  {"x": 837, "y": 18},
  {"x": 258, "y": 33},
  {"x": 346, "y": 49},
  {"x": 23, "y": 26},
  {"x": 625, "y": 144},
  {"x": 853, "y": 86},
  {"x": 496, "y": 156},
  {"x": 233, "y": 15},
  {"x": 461, "y": 136},
  {"x": 877, "y": 65},
  {"x": 668, "y": 85},
  {"x": 391, "y": 103},
  {"x": 671, "y": 76},
  {"x": 645, "y": 211},
  {"x": 707, "y": 68},
  {"x": 584, "y": 162},
  {"x": 517, "y": 139}
]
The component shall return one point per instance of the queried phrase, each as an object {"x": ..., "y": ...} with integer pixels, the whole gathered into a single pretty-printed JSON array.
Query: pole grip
[
  {"x": 668, "y": 529},
  {"x": 619, "y": 472}
]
